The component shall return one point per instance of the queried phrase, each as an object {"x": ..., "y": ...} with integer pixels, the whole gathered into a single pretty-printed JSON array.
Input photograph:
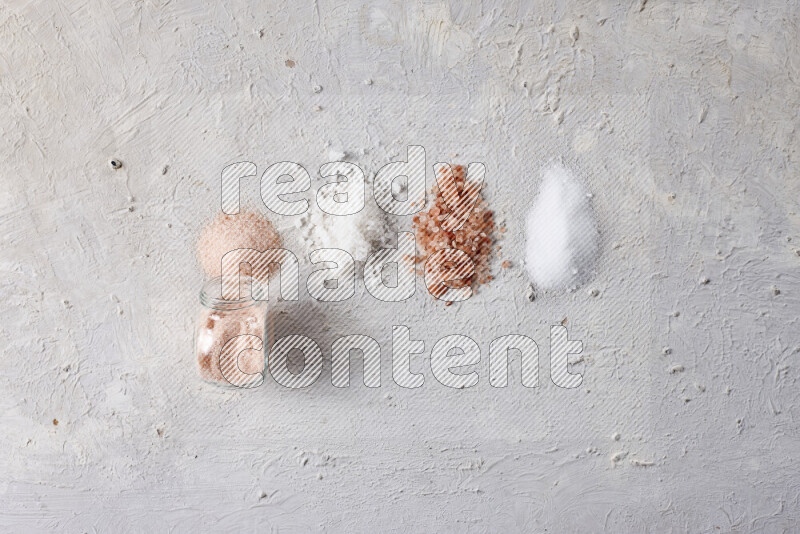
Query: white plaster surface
[{"x": 680, "y": 116}]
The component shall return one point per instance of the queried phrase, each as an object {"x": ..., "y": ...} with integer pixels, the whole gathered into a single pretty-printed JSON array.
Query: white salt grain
[
  {"x": 336, "y": 155},
  {"x": 562, "y": 235}
]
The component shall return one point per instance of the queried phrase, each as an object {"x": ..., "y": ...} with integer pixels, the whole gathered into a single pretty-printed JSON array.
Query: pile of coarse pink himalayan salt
[{"x": 475, "y": 237}]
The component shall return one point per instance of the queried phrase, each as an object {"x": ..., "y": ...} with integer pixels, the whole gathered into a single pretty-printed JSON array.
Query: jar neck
[{"x": 211, "y": 295}]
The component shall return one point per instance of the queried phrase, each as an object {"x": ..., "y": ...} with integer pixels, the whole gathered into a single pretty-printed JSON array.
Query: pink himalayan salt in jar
[{"x": 221, "y": 320}]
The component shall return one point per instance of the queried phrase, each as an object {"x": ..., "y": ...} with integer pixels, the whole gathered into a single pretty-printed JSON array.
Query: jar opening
[{"x": 211, "y": 295}]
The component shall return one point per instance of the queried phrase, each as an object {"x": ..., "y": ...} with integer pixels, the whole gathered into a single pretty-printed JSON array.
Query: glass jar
[{"x": 242, "y": 363}]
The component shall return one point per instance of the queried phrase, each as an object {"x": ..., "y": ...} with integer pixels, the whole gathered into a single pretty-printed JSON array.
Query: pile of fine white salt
[
  {"x": 562, "y": 236},
  {"x": 360, "y": 234}
]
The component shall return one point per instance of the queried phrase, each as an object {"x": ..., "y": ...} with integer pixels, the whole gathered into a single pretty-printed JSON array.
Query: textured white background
[{"x": 99, "y": 282}]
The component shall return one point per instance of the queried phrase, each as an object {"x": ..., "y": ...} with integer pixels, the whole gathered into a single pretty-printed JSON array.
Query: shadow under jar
[{"x": 220, "y": 321}]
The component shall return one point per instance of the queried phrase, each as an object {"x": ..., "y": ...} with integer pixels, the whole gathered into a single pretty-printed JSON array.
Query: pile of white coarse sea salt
[{"x": 562, "y": 236}]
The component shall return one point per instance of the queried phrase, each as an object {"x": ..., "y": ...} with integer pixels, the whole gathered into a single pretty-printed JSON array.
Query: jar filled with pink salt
[{"x": 229, "y": 337}]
